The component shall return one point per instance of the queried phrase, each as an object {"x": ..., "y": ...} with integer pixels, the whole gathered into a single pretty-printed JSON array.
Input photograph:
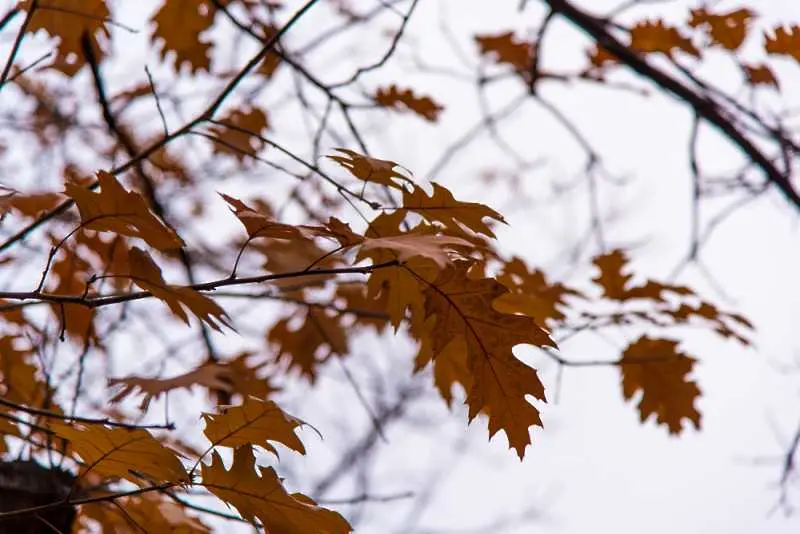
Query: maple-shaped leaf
[
  {"x": 254, "y": 422},
  {"x": 656, "y": 37},
  {"x": 69, "y": 20},
  {"x": 146, "y": 274},
  {"x": 506, "y": 48},
  {"x": 319, "y": 336},
  {"x": 443, "y": 208},
  {"x": 259, "y": 225},
  {"x": 121, "y": 452},
  {"x": 658, "y": 370},
  {"x": 760, "y": 75},
  {"x": 257, "y": 493},
  {"x": 728, "y": 30},
  {"x": 368, "y": 169},
  {"x": 404, "y": 99},
  {"x": 615, "y": 281},
  {"x": 31, "y": 204},
  {"x": 367, "y": 311},
  {"x": 449, "y": 366},
  {"x": 243, "y": 375},
  {"x": 531, "y": 293},
  {"x": 239, "y": 133},
  {"x": 462, "y": 308},
  {"x": 338, "y": 231},
  {"x": 113, "y": 209},
  {"x": 211, "y": 376},
  {"x": 148, "y": 512},
  {"x": 178, "y": 25},
  {"x": 783, "y": 41},
  {"x": 438, "y": 248}
]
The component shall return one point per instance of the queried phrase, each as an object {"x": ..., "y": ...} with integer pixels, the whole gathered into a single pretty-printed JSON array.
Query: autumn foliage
[{"x": 375, "y": 248}]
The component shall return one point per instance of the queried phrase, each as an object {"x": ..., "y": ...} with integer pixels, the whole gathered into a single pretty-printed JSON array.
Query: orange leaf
[
  {"x": 124, "y": 453},
  {"x": 443, "y": 208},
  {"x": 148, "y": 512},
  {"x": 69, "y": 20},
  {"x": 784, "y": 41},
  {"x": 379, "y": 171},
  {"x": 657, "y": 369},
  {"x": 531, "y": 293},
  {"x": 113, "y": 209},
  {"x": 211, "y": 376},
  {"x": 393, "y": 97},
  {"x": 254, "y": 422},
  {"x": 257, "y": 493},
  {"x": 239, "y": 133},
  {"x": 463, "y": 309},
  {"x": 656, "y": 37},
  {"x": 146, "y": 274},
  {"x": 178, "y": 25}
]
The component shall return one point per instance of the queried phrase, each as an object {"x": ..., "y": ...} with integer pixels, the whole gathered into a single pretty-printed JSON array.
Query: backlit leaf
[
  {"x": 368, "y": 169},
  {"x": 404, "y": 99}
]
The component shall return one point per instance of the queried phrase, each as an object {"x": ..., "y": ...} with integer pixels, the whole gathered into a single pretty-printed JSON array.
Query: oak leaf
[
  {"x": 657, "y": 369},
  {"x": 120, "y": 452},
  {"x": 462, "y": 308},
  {"x": 211, "y": 376},
  {"x": 259, "y": 225},
  {"x": 69, "y": 20},
  {"x": 146, "y": 274},
  {"x": 148, "y": 512},
  {"x": 656, "y": 37},
  {"x": 412, "y": 245},
  {"x": 113, "y": 209},
  {"x": 319, "y": 336},
  {"x": 178, "y": 25},
  {"x": 783, "y": 41},
  {"x": 531, "y": 293},
  {"x": 396, "y": 98},
  {"x": 506, "y": 48},
  {"x": 443, "y": 208},
  {"x": 728, "y": 30},
  {"x": 257, "y": 493},
  {"x": 254, "y": 422},
  {"x": 369, "y": 169},
  {"x": 72, "y": 274},
  {"x": 239, "y": 133},
  {"x": 760, "y": 75}
]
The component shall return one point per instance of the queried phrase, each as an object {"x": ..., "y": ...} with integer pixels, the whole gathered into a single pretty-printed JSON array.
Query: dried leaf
[
  {"x": 728, "y": 30},
  {"x": 760, "y": 75},
  {"x": 435, "y": 247},
  {"x": 506, "y": 48},
  {"x": 783, "y": 41},
  {"x": 146, "y": 274},
  {"x": 254, "y": 422},
  {"x": 178, "y": 25},
  {"x": 257, "y": 493},
  {"x": 239, "y": 133},
  {"x": 113, "y": 209},
  {"x": 148, "y": 512},
  {"x": 657, "y": 369},
  {"x": 463, "y": 310},
  {"x": 656, "y": 37},
  {"x": 368, "y": 169},
  {"x": 404, "y": 99},
  {"x": 319, "y": 336},
  {"x": 211, "y": 376},
  {"x": 259, "y": 225},
  {"x": 122, "y": 452},
  {"x": 443, "y": 208}
]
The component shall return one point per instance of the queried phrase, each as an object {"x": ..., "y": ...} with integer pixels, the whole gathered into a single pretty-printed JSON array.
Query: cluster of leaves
[{"x": 426, "y": 263}]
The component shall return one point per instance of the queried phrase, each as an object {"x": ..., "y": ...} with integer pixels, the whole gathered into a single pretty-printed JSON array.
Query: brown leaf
[
  {"x": 257, "y": 493},
  {"x": 404, "y": 99},
  {"x": 657, "y": 369},
  {"x": 211, "y": 376},
  {"x": 254, "y": 422},
  {"x": 69, "y": 20},
  {"x": 463, "y": 310},
  {"x": 148, "y": 512},
  {"x": 319, "y": 336},
  {"x": 434, "y": 247},
  {"x": 531, "y": 293},
  {"x": 443, "y": 208},
  {"x": 656, "y": 37},
  {"x": 146, "y": 274},
  {"x": 259, "y": 225},
  {"x": 124, "y": 453},
  {"x": 506, "y": 48},
  {"x": 113, "y": 209},
  {"x": 783, "y": 41},
  {"x": 728, "y": 30},
  {"x": 760, "y": 75},
  {"x": 178, "y": 25},
  {"x": 239, "y": 133},
  {"x": 368, "y": 169},
  {"x": 72, "y": 273}
]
